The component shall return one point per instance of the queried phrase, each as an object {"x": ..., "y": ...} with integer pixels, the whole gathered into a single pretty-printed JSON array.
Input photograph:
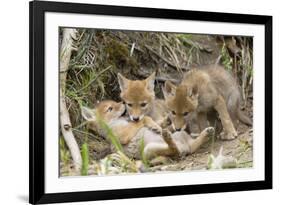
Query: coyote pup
[
  {"x": 127, "y": 131},
  {"x": 130, "y": 133},
  {"x": 202, "y": 91},
  {"x": 140, "y": 101}
]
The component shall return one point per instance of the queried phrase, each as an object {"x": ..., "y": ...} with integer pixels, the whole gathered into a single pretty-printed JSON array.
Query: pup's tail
[{"x": 243, "y": 118}]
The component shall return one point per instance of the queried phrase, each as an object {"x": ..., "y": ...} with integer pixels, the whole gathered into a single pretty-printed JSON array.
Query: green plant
[
  {"x": 64, "y": 153},
  {"x": 226, "y": 58},
  {"x": 109, "y": 133},
  {"x": 143, "y": 157},
  {"x": 85, "y": 159}
]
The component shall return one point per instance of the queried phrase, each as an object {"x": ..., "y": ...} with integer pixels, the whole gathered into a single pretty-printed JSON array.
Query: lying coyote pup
[
  {"x": 130, "y": 133},
  {"x": 140, "y": 101},
  {"x": 202, "y": 91}
]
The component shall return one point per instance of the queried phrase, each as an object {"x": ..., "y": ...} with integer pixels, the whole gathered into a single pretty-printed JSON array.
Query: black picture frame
[{"x": 37, "y": 11}]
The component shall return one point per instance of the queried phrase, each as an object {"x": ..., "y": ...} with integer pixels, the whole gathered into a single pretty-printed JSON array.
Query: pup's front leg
[
  {"x": 202, "y": 121},
  {"x": 229, "y": 130},
  {"x": 151, "y": 124}
]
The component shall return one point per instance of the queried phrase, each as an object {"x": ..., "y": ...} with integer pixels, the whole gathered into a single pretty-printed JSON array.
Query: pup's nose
[
  {"x": 178, "y": 129},
  {"x": 136, "y": 119}
]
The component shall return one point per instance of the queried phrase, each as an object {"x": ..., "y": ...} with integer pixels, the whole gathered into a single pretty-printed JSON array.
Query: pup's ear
[
  {"x": 193, "y": 92},
  {"x": 169, "y": 89},
  {"x": 123, "y": 82},
  {"x": 88, "y": 114},
  {"x": 150, "y": 82}
]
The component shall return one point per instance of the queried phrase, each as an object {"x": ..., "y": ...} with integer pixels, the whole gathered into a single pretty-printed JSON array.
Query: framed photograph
[{"x": 130, "y": 102}]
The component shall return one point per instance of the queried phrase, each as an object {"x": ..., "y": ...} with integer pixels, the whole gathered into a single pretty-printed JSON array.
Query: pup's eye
[
  {"x": 109, "y": 109},
  {"x": 143, "y": 104},
  {"x": 173, "y": 112},
  {"x": 185, "y": 113},
  {"x": 129, "y": 104}
]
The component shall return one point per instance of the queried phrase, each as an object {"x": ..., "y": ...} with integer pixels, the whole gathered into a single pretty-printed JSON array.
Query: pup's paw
[
  {"x": 166, "y": 134},
  {"x": 228, "y": 136},
  {"x": 159, "y": 160},
  {"x": 210, "y": 131},
  {"x": 155, "y": 128}
]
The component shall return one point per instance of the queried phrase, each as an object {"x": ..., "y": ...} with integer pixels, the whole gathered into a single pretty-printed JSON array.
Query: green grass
[
  {"x": 85, "y": 159},
  {"x": 109, "y": 133},
  {"x": 226, "y": 58},
  {"x": 143, "y": 157},
  {"x": 64, "y": 153}
]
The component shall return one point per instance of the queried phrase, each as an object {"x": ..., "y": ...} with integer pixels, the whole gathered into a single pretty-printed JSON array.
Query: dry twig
[{"x": 66, "y": 128}]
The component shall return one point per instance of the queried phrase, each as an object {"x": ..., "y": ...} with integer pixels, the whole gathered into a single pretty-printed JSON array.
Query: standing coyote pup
[
  {"x": 201, "y": 91},
  {"x": 140, "y": 101},
  {"x": 130, "y": 133}
]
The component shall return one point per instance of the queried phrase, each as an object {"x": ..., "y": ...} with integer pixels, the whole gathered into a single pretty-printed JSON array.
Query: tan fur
[
  {"x": 201, "y": 91},
  {"x": 184, "y": 144},
  {"x": 140, "y": 101},
  {"x": 130, "y": 133},
  {"x": 111, "y": 113}
]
